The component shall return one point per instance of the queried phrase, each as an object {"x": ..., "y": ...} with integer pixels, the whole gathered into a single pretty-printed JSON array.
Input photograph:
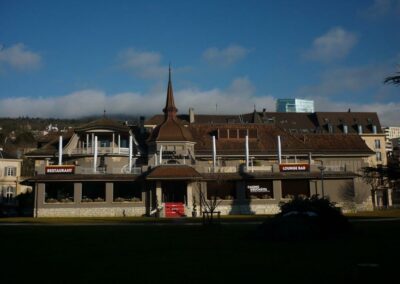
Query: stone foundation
[{"x": 92, "y": 212}]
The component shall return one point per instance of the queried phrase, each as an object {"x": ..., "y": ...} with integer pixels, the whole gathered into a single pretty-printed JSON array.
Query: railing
[
  {"x": 258, "y": 169},
  {"x": 100, "y": 150},
  {"x": 109, "y": 170},
  {"x": 335, "y": 168}
]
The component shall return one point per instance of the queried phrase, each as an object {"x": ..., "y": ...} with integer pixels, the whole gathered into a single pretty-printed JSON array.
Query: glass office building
[{"x": 294, "y": 105}]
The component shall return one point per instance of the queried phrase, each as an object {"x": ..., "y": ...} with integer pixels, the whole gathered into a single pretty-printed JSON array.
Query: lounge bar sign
[
  {"x": 294, "y": 167},
  {"x": 51, "y": 170}
]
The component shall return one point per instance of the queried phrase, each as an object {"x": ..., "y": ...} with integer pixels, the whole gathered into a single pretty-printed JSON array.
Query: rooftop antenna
[
  {"x": 104, "y": 113},
  {"x": 254, "y": 107}
]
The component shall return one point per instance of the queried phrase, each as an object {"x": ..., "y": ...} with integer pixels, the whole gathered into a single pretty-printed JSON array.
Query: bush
[{"x": 305, "y": 218}]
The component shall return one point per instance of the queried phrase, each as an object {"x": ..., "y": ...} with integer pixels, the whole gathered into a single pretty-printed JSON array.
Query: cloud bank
[
  {"x": 19, "y": 57},
  {"x": 334, "y": 44},
  {"x": 238, "y": 97}
]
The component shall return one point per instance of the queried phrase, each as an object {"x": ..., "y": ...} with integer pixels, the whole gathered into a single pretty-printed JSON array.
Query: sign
[
  {"x": 257, "y": 188},
  {"x": 51, "y": 170},
  {"x": 294, "y": 167}
]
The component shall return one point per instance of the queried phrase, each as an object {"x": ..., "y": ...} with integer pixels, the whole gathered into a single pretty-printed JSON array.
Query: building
[
  {"x": 294, "y": 105},
  {"x": 391, "y": 132},
  {"x": 10, "y": 180},
  {"x": 169, "y": 165}
]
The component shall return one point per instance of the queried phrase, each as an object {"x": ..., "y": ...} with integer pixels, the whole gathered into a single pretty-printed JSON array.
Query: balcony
[
  {"x": 100, "y": 151},
  {"x": 109, "y": 170}
]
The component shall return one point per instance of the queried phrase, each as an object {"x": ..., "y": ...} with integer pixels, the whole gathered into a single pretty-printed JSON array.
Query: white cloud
[
  {"x": 225, "y": 57},
  {"x": 348, "y": 79},
  {"x": 236, "y": 98},
  {"x": 388, "y": 113},
  {"x": 19, "y": 57},
  {"x": 144, "y": 64},
  {"x": 382, "y": 8},
  {"x": 334, "y": 44}
]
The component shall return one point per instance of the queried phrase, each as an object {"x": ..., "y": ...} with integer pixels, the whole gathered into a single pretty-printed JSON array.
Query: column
[
  {"x": 277, "y": 185},
  {"x": 113, "y": 142},
  {"x": 109, "y": 192},
  {"x": 159, "y": 197},
  {"x": 390, "y": 201},
  {"x": 189, "y": 197},
  {"x": 158, "y": 193},
  {"x": 41, "y": 188},
  {"x": 93, "y": 143},
  {"x": 77, "y": 192}
]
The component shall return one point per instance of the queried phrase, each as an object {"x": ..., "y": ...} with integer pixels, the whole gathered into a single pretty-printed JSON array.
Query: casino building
[{"x": 168, "y": 164}]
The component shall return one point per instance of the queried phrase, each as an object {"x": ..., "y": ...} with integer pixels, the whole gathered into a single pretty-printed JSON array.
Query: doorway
[{"x": 174, "y": 197}]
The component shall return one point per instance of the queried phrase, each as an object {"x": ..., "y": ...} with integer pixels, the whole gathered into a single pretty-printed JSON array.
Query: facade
[
  {"x": 171, "y": 165},
  {"x": 10, "y": 179},
  {"x": 391, "y": 132},
  {"x": 294, "y": 105}
]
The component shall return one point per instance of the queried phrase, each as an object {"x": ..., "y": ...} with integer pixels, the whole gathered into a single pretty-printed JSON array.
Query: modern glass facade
[{"x": 294, "y": 105}]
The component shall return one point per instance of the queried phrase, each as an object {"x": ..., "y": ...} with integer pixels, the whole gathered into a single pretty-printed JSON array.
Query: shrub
[{"x": 305, "y": 218}]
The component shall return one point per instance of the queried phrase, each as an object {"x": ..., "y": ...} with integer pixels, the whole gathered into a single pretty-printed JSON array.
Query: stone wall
[{"x": 92, "y": 212}]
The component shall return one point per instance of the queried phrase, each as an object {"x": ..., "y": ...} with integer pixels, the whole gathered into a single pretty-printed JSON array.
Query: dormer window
[
  {"x": 345, "y": 129},
  {"x": 359, "y": 129}
]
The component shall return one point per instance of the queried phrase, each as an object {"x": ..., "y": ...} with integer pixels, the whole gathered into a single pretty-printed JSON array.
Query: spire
[{"x": 170, "y": 110}]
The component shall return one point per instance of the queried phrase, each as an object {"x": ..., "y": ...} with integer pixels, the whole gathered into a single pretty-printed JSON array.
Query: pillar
[
  {"x": 277, "y": 187},
  {"x": 41, "y": 189},
  {"x": 189, "y": 198},
  {"x": 77, "y": 192},
  {"x": 158, "y": 193},
  {"x": 109, "y": 192}
]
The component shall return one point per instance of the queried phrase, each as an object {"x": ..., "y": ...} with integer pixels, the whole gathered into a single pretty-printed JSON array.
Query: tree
[
  {"x": 395, "y": 79},
  {"x": 209, "y": 206},
  {"x": 377, "y": 178}
]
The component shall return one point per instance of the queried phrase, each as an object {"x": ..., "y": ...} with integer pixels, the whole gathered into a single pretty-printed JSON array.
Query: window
[
  {"x": 242, "y": 133},
  {"x": 222, "y": 133},
  {"x": 378, "y": 156},
  {"x": 259, "y": 190},
  {"x": 10, "y": 171},
  {"x": 221, "y": 190},
  {"x": 377, "y": 144},
  {"x": 292, "y": 188},
  {"x": 56, "y": 192},
  {"x": 127, "y": 191},
  {"x": 93, "y": 192}
]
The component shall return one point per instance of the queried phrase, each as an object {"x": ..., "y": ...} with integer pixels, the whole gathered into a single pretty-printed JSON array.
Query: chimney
[{"x": 191, "y": 115}]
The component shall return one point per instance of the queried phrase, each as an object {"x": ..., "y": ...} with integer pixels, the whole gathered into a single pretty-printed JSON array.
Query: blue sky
[{"x": 75, "y": 58}]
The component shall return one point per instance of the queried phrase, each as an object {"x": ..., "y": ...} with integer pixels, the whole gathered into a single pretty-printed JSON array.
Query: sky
[{"x": 69, "y": 59}]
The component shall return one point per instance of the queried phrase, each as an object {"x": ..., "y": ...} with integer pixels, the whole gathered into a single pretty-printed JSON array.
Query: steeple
[{"x": 170, "y": 110}]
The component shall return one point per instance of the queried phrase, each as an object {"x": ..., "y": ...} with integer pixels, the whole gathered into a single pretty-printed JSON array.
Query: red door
[{"x": 174, "y": 209}]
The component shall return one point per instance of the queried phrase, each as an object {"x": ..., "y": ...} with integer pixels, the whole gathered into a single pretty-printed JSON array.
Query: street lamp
[{"x": 322, "y": 168}]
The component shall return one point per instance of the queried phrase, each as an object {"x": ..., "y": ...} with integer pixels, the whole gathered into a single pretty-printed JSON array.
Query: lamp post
[{"x": 322, "y": 168}]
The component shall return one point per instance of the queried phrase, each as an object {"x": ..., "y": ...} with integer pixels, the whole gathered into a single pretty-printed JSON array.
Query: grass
[
  {"x": 193, "y": 254},
  {"x": 392, "y": 213}
]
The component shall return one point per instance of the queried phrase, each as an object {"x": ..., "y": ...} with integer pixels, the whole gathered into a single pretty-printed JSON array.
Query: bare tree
[
  {"x": 376, "y": 177},
  {"x": 209, "y": 206}
]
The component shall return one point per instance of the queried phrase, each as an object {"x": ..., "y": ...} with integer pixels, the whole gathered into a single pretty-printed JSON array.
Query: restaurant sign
[
  {"x": 257, "y": 188},
  {"x": 294, "y": 167},
  {"x": 49, "y": 170}
]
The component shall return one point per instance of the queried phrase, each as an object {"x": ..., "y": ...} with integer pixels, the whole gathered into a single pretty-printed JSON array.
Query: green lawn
[{"x": 193, "y": 254}]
